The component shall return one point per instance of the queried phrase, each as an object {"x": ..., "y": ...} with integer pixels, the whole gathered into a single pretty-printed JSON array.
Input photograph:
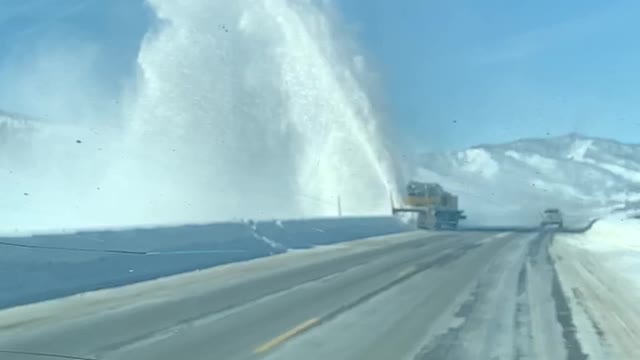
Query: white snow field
[
  {"x": 600, "y": 274},
  {"x": 511, "y": 183}
]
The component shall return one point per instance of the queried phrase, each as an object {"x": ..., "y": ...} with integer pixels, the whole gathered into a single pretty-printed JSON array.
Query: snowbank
[
  {"x": 616, "y": 242},
  {"x": 600, "y": 273}
]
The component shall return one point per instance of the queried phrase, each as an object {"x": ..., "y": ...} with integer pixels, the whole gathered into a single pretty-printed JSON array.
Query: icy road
[{"x": 417, "y": 295}]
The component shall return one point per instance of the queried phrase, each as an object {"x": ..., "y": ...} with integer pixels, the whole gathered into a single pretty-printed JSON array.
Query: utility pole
[{"x": 339, "y": 207}]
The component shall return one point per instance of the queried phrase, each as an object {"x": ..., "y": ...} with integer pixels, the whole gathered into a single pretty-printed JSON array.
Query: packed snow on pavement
[{"x": 600, "y": 274}]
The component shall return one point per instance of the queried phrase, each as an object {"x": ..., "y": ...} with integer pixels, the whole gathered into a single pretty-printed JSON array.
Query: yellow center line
[{"x": 286, "y": 336}]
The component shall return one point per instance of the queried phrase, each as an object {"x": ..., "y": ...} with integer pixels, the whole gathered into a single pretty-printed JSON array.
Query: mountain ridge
[{"x": 584, "y": 175}]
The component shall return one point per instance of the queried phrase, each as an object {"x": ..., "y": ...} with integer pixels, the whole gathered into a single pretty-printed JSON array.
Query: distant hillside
[{"x": 516, "y": 180}]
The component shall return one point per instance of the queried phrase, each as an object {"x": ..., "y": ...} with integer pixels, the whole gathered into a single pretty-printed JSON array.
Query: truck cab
[
  {"x": 435, "y": 207},
  {"x": 552, "y": 216}
]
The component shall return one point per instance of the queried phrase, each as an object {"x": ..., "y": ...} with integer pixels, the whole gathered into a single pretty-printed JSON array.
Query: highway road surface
[{"x": 417, "y": 295}]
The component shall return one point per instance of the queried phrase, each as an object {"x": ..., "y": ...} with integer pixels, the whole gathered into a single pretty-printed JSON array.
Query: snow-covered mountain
[{"x": 509, "y": 182}]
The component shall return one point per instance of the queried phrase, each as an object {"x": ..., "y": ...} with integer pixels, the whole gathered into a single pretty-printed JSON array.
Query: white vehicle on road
[{"x": 552, "y": 216}]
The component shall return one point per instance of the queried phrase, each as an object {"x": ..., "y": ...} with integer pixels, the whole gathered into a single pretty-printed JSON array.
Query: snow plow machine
[{"x": 435, "y": 208}]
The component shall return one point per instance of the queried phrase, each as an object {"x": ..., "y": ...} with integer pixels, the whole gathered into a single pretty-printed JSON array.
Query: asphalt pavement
[{"x": 417, "y": 295}]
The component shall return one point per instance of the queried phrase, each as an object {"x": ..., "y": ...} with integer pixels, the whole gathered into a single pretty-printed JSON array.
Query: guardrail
[
  {"x": 500, "y": 228},
  {"x": 578, "y": 230},
  {"x": 528, "y": 228}
]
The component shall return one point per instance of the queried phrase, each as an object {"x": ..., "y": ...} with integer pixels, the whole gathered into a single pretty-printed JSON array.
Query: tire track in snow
[{"x": 516, "y": 311}]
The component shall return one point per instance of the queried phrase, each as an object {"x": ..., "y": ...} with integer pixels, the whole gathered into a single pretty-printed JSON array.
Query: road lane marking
[{"x": 286, "y": 336}]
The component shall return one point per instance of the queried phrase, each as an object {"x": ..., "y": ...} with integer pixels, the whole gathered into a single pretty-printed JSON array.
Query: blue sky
[
  {"x": 113, "y": 27},
  {"x": 57, "y": 54},
  {"x": 454, "y": 73},
  {"x": 464, "y": 72}
]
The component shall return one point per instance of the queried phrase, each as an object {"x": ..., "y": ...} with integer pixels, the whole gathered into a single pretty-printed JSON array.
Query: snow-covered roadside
[{"x": 600, "y": 274}]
